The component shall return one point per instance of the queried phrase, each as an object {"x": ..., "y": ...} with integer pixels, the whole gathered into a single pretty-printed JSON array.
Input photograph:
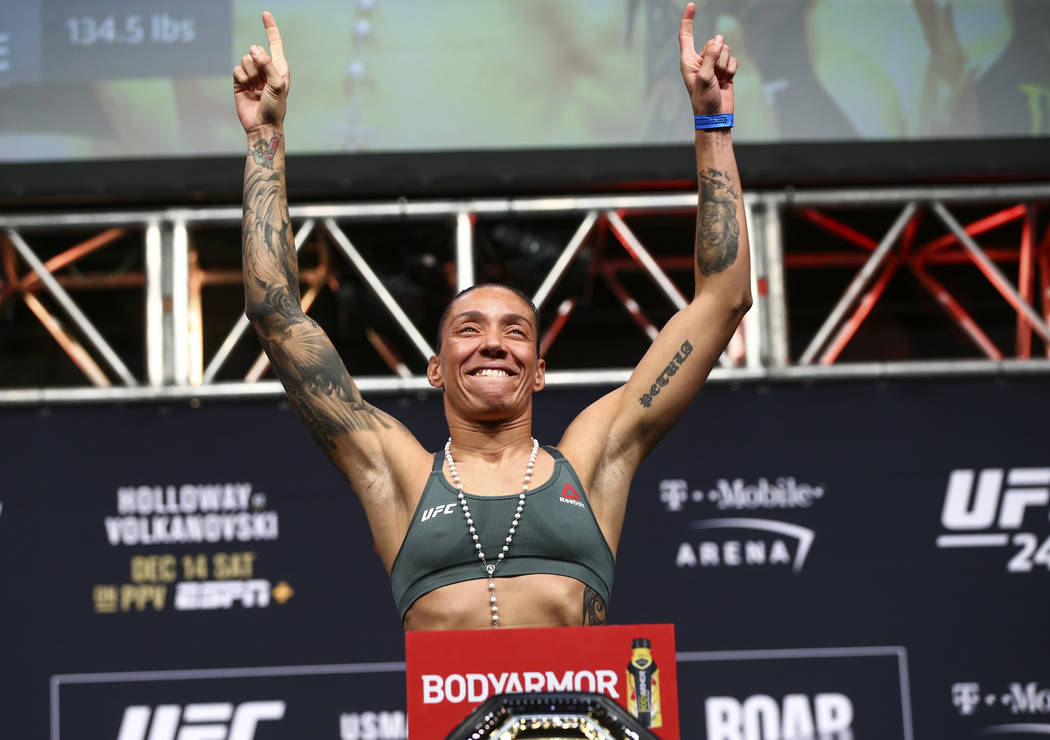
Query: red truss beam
[
  {"x": 72, "y": 254},
  {"x": 839, "y": 229},
  {"x": 1044, "y": 278},
  {"x": 1026, "y": 283},
  {"x": 978, "y": 227},
  {"x": 957, "y": 313},
  {"x": 911, "y": 230},
  {"x": 864, "y": 307},
  {"x": 630, "y": 304},
  {"x": 1031, "y": 256},
  {"x": 564, "y": 311},
  {"x": 818, "y": 259}
]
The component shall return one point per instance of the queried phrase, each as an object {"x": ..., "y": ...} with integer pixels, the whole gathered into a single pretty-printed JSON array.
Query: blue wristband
[{"x": 722, "y": 120}]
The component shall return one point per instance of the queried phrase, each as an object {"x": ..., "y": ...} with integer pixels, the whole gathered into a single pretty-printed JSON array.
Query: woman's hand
[{"x": 260, "y": 84}]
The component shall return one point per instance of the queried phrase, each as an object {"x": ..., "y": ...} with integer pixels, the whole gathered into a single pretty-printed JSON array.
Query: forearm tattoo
[
  {"x": 263, "y": 151},
  {"x": 593, "y": 607},
  {"x": 303, "y": 357},
  {"x": 664, "y": 378},
  {"x": 718, "y": 227},
  {"x": 271, "y": 268}
]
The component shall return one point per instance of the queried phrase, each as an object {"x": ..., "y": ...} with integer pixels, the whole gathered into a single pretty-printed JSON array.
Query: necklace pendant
[{"x": 490, "y": 569}]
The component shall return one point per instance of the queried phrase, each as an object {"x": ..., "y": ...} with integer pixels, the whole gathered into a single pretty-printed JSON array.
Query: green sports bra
[{"x": 557, "y": 534}]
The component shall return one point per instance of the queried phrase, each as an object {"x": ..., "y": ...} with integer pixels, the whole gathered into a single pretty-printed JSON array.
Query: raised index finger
[
  {"x": 273, "y": 36},
  {"x": 685, "y": 33}
]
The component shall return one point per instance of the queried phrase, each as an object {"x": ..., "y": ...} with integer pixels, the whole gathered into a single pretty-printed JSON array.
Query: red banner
[{"x": 450, "y": 673}]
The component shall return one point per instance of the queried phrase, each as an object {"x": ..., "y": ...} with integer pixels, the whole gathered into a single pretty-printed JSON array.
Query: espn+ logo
[
  {"x": 796, "y": 717},
  {"x": 210, "y": 721},
  {"x": 987, "y": 509}
]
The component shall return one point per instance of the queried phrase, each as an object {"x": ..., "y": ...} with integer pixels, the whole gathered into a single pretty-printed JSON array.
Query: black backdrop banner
[{"x": 866, "y": 560}]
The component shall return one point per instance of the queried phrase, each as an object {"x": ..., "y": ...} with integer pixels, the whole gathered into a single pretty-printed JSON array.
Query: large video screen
[{"x": 85, "y": 80}]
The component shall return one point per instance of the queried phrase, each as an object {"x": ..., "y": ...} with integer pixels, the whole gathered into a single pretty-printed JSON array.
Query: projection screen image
[{"x": 125, "y": 79}]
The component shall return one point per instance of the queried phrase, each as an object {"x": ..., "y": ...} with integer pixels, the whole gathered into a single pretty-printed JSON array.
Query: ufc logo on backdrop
[
  {"x": 986, "y": 509},
  {"x": 971, "y": 507},
  {"x": 211, "y": 721}
]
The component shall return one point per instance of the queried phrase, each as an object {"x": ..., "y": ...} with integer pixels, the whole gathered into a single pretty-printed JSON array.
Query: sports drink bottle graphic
[{"x": 643, "y": 684}]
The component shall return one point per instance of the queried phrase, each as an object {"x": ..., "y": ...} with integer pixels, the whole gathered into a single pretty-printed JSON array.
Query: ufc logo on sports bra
[{"x": 437, "y": 511}]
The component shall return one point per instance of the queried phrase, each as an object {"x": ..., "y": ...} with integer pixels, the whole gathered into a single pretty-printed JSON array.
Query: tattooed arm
[
  {"x": 610, "y": 438},
  {"x": 308, "y": 365},
  {"x": 375, "y": 453}
]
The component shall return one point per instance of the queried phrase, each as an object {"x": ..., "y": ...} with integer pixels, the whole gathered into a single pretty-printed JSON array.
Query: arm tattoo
[
  {"x": 664, "y": 378},
  {"x": 303, "y": 357},
  {"x": 327, "y": 400},
  {"x": 270, "y": 264},
  {"x": 717, "y": 227},
  {"x": 593, "y": 607},
  {"x": 263, "y": 151}
]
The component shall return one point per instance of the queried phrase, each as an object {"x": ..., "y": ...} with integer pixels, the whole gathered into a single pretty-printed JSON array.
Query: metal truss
[{"x": 926, "y": 233}]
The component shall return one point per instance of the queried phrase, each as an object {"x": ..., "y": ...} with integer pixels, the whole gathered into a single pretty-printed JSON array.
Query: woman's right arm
[{"x": 372, "y": 449}]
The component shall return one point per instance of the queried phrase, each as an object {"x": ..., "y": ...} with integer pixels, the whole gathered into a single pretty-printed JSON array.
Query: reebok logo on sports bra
[{"x": 570, "y": 496}]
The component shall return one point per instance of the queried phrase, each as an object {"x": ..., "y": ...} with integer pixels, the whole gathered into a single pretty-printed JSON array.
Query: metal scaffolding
[{"x": 172, "y": 279}]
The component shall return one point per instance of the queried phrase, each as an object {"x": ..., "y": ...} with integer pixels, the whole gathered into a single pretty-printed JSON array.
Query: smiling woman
[
  {"x": 488, "y": 364},
  {"x": 534, "y": 315},
  {"x": 468, "y": 538}
]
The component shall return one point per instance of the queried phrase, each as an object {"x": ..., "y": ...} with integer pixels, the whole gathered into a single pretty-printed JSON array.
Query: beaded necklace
[{"x": 490, "y": 568}]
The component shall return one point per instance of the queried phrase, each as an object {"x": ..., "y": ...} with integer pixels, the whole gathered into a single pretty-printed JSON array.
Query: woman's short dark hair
[{"x": 515, "y": 291}]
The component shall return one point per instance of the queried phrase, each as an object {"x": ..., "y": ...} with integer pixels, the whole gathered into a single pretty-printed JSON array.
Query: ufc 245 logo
[
  {"x": 212, "y": 721},
  {"x": 987, "y": 509}
]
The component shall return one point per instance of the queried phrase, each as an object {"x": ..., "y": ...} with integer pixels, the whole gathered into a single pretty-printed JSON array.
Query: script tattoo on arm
[
  {"x": 593, "y": 607},
  {"x": 717, "y": 228},
  {"x": 646, "y": 399},
  {"x": 303, "y": 357}
]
